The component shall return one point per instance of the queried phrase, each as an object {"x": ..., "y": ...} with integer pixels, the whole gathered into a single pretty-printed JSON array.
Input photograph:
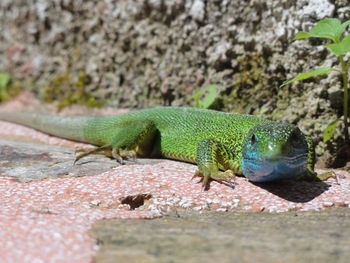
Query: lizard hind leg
[
  {"x": 131, "y": 139},
  {"x": 134, "y": 139},
  {"x": 108, "y": 150}
]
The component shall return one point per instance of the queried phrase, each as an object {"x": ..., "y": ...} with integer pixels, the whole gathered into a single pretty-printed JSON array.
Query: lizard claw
[{"x": 204, "y": 179}]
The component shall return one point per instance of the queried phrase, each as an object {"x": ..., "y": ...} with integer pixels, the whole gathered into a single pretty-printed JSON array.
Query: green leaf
[
  {"x": 302, "y": 35},
  {"x": 328, "y": 132},
  {"x": 344, "y": 26},
  {"x": 5, "y": 79},
  {"x": 306, "y": 75},
  {"x": 342, "y": 47},
  {"x": 330, "y": 28}
]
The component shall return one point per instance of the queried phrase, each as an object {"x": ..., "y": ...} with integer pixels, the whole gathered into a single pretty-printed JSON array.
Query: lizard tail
[{"x": 66, "y": 127}]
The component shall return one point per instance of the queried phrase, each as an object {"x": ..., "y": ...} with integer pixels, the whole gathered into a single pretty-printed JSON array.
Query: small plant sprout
[
  {"x": 333, "y": 29},
  {"x": 5, "y": 81},
  {"x": 206, "y": 97}
]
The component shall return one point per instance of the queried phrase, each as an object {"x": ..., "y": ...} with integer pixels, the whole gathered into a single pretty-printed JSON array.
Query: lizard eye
[
  {"x": 295, "y": 140},
  {"x": 253, "y": 139}
]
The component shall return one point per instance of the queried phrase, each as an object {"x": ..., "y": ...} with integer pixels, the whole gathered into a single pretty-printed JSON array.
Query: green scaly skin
[{"x": 214, "y": 140}]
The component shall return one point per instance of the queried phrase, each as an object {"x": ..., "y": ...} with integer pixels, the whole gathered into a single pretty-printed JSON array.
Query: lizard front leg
[
  {"x": 133, "y": 139},
  {"x": 211, "y": 156}
]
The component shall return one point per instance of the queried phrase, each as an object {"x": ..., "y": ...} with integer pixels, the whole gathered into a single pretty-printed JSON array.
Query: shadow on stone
[{"x": 298, "y": 191}]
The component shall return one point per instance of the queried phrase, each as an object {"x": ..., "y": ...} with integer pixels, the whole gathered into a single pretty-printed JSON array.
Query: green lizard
[{"x": 260, "y": 149}]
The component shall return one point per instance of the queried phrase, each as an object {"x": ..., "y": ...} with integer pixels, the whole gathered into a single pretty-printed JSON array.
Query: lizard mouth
[{"x": 264, "y": 169}]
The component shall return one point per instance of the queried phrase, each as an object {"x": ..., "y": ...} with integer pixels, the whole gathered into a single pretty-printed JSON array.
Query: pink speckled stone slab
[
  {"x": 55, "y": 214},
  {"x": 170, "y": 185},
  {"x": 48, "y": 221}
]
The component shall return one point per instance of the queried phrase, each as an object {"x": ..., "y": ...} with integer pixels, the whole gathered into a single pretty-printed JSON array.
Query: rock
[
  {"x": 143, "y": 43},
  {"x": 198, "y": 10}
]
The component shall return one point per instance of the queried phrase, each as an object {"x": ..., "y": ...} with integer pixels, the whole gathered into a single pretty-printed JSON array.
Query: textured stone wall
[{"x": 137, "y": 53}]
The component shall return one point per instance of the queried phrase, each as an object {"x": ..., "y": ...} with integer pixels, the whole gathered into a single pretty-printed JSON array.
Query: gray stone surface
[
  {"x": 25, "y": 162},
  {"x": 147, "y": 52},
  {"x": 227, "y": 237}
]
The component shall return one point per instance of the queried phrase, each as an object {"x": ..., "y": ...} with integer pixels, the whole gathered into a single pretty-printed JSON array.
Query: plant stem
[{"x": 344, "y": 67}]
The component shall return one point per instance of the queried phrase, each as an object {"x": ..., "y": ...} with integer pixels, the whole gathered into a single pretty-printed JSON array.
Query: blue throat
[{"x": 262, "y": 169}]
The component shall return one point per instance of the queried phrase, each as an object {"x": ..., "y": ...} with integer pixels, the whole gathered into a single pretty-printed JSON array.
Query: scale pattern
[{"x": 180, "y": 129}]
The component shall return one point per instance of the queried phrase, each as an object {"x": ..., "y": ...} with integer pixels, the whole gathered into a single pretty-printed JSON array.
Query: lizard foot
[
  {"x": 121, "y": 155},
  {"x": 227, "y": 177},
  {"x": 313, "y": 176},
  {"x": 86, "y": 152},
  {"x": 325, "y": 175}
]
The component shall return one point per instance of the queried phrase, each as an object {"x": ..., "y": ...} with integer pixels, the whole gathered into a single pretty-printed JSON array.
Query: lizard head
[{"x": 274, "y": 151}]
